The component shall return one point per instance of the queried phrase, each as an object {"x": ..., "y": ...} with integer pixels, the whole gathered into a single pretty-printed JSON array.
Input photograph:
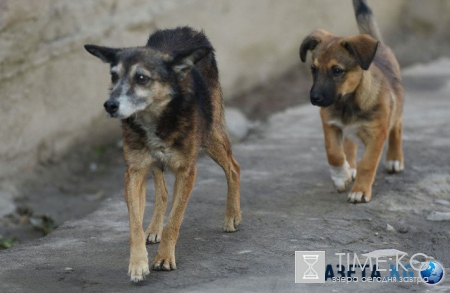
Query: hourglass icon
[{"x": 310, "y": 273}]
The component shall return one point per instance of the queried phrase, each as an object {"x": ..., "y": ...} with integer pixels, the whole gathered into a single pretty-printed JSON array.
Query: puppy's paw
[
  {"x": 153, "y": 237},
  {"x": 138, "y": 269},
  {"x": 342, "y": 176},
  {"x": 164, "y": 262},
  {"x": 394, "y": 166},
  {"x": 359, "y": 196},
  {"x": 230, "y": 223}
]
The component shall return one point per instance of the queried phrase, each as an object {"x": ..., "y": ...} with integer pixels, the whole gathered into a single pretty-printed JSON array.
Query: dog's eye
[
  {"x": 337, "y": 71},
  {"x": 141, "y": 79},
  {"x": 114, "y": 77},
  {"x": 313, "y": 69}
]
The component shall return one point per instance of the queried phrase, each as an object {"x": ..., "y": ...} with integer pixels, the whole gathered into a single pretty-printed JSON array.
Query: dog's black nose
[
  {"x": 316, "y": 98},
  {"x": 111, "y": 106}
]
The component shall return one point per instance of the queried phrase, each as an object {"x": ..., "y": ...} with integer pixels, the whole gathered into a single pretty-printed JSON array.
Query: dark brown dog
[
  {"x": 357, "y": 84},
  {"x": 169, "y": 99}
]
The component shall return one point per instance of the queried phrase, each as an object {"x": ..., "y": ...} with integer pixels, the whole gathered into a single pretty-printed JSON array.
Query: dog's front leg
[
  {"x": 367, "y": 168},
  {"x": 184, "y": 183},
  {"x": 340, "y": 170},
  {"x": 154, "y": 230},
  {"x": 135, "y": 198}
]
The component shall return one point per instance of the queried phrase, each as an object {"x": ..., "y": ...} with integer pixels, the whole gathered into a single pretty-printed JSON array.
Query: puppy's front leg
[
  {"x": 341, "y": 174},
  {"x": 367, "y": 168},
  {"x": 135, "y": 198},
  {"x": 184, "y": 183}
]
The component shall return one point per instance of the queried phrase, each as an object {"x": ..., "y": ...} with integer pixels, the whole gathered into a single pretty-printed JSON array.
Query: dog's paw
[
  {"x": 358, "y": 197},
  {"x": 394, "y": 166},
  {"x": 342, "y": 176},
  {"x": 153, "y": 237},
  {"x": 138, "y": 269},
  {"x": 230, "y": 223},
  {"x": 164, "y": 262}
]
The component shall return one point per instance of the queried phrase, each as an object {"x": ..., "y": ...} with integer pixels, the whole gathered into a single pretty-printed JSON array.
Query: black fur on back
[
  {"x": 191, "y": 99},
  {"x": 184, "y": 38},
  {"x": 178, "y": 39}
]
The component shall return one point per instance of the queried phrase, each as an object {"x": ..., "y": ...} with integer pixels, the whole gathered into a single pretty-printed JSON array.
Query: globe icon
[{"x": 433, "y": 271}]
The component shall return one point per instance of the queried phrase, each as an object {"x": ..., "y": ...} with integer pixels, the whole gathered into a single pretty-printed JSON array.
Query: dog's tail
[{"x": 366, "y": 21}]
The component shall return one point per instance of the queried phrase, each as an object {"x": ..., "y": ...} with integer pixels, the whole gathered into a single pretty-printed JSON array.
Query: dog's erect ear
[
  {"x": 107, "y": 55},
  {"x": 311, "y": 42},
  {"x": 363, "y": 47},
  {"x": 183, "y": 61}
]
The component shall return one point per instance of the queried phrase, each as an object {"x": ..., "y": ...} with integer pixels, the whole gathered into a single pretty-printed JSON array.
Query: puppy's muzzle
[
  {"x": 321, "y": 98},
  {"x": 316, "y": 99},
  {"x": 111, "y": 107}
]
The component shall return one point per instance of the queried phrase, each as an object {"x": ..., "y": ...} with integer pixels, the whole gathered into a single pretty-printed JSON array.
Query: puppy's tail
[{"x": 366, "y": 21}]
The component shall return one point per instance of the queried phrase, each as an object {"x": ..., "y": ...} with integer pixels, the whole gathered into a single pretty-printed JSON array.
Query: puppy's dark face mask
[{"x": 338, "y": 64}]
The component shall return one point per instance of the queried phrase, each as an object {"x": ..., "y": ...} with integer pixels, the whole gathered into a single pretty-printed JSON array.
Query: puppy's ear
[
  {"x": 107, "y": 55},
  {"x": 310, "y": 42},
  {"x": 363, "y": 47},
  {"x": 183, "y": 61}
]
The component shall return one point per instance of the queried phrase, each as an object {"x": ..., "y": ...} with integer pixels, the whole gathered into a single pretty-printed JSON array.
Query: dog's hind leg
[
  {"x": 394, "y": 156},
  {"x": 219, "y": 149},
  {"x": 154, "y": 230},
  {"x": 184, "y": 183}
]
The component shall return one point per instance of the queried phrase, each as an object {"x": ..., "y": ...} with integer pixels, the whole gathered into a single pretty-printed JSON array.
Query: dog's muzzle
[
  {"x": 111, "y": 107},
  {"x": 321, "y": 100},
  {"x": 316, "y": 99}
]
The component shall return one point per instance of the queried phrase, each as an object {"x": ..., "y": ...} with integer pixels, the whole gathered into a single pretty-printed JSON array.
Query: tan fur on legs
[
  {"x": 339, "y": 168},
  {"x": 219, "y": 150},
  {"x": 333, "y": 142},
  {"x": 350, "y": 149},
  {"x": 154, "y": 230},
  {"x": 394, "y": 156},
  {"x": 367, "y": 168},
  {"x": 184, "y": 183},
  {"x": 135, "y": 198}
]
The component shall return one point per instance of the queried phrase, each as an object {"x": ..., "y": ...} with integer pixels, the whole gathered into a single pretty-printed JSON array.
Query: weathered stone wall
[
  {"x": 423, "y": 31},
  {"x": 52, "y": 91}
]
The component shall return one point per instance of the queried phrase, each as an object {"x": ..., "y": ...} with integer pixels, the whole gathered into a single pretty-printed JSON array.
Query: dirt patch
[{"x": 65, "y": 190}]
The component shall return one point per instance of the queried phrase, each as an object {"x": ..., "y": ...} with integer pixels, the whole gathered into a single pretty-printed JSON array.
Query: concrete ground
[{"x": 288, "y": 204}]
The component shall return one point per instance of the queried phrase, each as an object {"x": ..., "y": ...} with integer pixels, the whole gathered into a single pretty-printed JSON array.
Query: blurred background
[{"x": 56, "y": 142}]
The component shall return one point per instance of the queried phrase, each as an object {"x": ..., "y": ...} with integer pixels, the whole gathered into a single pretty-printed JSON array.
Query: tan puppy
[{"x": 357, "y": 84}]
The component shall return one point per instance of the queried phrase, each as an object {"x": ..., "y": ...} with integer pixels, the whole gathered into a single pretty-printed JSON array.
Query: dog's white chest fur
[{"x": 349, "y": 131}]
